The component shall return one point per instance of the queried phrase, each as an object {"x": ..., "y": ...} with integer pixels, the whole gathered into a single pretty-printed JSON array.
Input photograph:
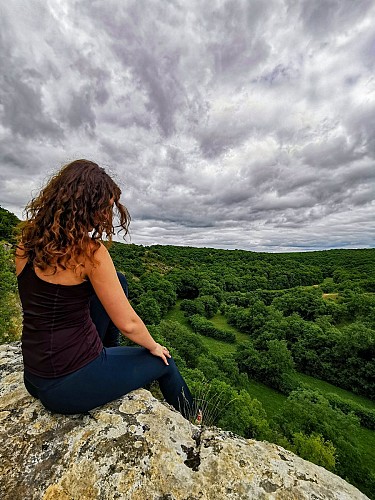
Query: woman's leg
[
  {"x": 114, "y": 373},
  {"x": 108, "y": 332}
]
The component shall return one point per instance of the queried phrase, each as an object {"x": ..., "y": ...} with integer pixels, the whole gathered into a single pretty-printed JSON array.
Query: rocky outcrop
[{"x": 139, "y": 448}]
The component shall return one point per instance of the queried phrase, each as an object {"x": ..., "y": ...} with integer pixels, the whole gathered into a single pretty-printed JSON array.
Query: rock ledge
[{"x": 138, "y": 448}]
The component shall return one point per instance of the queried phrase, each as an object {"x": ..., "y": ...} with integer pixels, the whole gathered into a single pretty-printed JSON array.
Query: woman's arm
[{"x": 107, "y": 287}]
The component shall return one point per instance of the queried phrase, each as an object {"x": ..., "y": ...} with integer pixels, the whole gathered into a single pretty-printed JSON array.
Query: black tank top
[{"x": 58, "y": 335}]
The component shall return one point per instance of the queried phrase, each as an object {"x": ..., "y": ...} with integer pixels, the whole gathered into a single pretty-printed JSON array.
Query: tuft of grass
[{"x": 208, "y": 405}]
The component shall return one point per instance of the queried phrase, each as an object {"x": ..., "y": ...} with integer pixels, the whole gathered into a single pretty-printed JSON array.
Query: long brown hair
[{"x": 77, "y": 200}]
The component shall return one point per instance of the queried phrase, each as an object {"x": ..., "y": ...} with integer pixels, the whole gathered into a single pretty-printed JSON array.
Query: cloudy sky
[{"x": 233, "y": 124}]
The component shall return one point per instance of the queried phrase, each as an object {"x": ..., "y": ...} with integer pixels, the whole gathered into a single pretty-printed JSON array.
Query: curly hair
[{"x": 76, "y": 201}]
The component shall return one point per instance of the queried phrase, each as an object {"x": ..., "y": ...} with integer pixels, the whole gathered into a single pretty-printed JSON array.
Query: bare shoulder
[
  {"x": 102, "y": 259},
  {"x": 102, "y": 249},
  {"x": 101, "y": 254}
]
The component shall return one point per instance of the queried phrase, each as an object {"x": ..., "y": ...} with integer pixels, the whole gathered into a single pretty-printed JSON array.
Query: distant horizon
[
  {"x": 291, "y": 250},
  {"x": 244, "y": 249}
]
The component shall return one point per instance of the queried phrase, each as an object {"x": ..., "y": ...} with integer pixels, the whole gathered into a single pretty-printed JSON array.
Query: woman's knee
[{"x": 171, "y": 369}]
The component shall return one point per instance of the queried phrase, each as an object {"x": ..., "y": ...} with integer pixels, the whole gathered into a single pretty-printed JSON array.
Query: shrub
[{"x": 205, "y": 327}]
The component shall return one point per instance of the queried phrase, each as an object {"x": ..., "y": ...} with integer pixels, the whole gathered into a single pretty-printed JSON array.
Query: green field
[
  {"x": 271, "y": 400},
  {"x": 175, "y": 314}
]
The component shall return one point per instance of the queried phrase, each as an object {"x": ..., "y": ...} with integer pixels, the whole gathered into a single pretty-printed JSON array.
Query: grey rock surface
[{"x": 139, "y": 448}]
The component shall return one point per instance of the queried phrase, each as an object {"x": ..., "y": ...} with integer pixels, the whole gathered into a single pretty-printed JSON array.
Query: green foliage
[
  {"x": 136, "y": 289},
  {"x": 206, "y": 288},
  {"x": 188, "y": 345},
  {"x": 328, "y": 286},
  {"x": 315, "y": 449},
  {"x": 245, "y": 416},
  {"x": 248, "y": 320},
  {"x": 128, "y": 259},
  {"x": 223, "y": 406},
  {"x": 8, "y": 223},
  {"x": 191, "y": 307},
  {"x": 360, "y": 306},
  {"x": 229, "y": 370},
  {"x": 366, "y": 415},
  {"x": 308, "y": 412},
  {"x": 205, "y": 327},
  {"x": 344, "y": 357},
  {"x": 162, "y": 289},
  {"x": 186, "y": 284},
  {"x": 10, "y": 313},
  {"x": 210, "y": 305},
  {"x": 249, "y": 282},
  {"x": 148, "y": 309},
  {"x": 308, "y": 303},
  {"x": 208, "y": 367},
  {"x": 273, "y": 366}
]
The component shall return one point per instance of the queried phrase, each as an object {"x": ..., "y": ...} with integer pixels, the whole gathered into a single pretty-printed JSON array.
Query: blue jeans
[{"x": 115, "y": 372}]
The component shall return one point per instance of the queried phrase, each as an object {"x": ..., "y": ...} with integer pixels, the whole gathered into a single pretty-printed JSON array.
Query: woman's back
[
  {"x": 58, "y": 335},
  {"x": 59, "y": 276}
]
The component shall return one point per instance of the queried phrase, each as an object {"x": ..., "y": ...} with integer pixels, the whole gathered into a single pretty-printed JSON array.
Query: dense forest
[{"x": 277, "y": 347}]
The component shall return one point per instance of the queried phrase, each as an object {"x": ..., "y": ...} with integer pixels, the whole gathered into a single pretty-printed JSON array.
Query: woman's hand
[{"x": 162, "y": 352}]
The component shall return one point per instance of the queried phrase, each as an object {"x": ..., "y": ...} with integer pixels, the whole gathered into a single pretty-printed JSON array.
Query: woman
[{"x": 63, "y": 268}]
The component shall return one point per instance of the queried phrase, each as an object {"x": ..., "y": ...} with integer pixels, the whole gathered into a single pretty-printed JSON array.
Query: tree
[
  {"x": 8, "y": 223},
  {"x": 245, "y": 416},
  {"x": 273, "y": 366},
  {"x": 148, "y": 309},
  {"x": 186, "y": 284},
  {"x": 307, "y": 303},
  {"x": 316, "y": 449},
  {"x": 248, "y": 320},
  {"x": 191, "y": 307},
  {"x": 210, "y": 305}
]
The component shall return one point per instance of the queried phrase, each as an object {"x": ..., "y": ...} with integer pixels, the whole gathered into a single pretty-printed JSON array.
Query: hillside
[{"x": 242, "y": 323}]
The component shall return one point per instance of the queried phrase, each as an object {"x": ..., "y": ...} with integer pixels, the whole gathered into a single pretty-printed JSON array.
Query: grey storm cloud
[
  {"x": 325, "y": 18},
  {"x": 229, "y": 124}
]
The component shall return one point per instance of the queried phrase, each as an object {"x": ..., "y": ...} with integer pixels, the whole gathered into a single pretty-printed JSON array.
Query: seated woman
[{"x": 74, "y": 303}]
